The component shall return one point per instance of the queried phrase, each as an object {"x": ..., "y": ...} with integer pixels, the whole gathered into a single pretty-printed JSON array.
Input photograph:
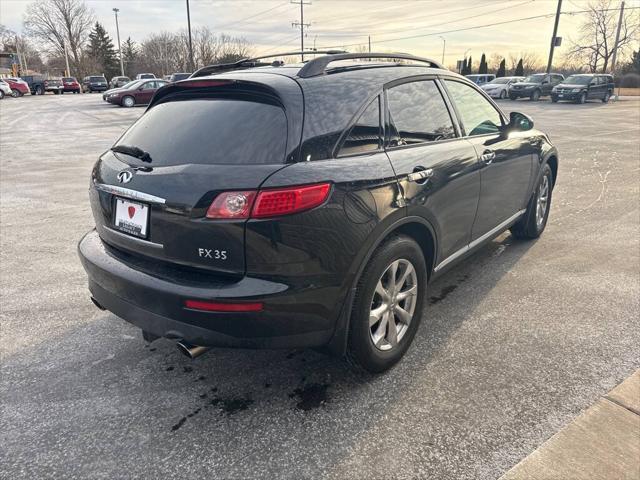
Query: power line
[
  {"x": 235, "y": 22},
  {"x": 301, "y": 23},
  {"x": 546, "y": 15},
  {"x": 445, "y": 23}
]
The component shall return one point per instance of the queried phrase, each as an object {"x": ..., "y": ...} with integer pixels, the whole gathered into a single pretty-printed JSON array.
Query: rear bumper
[{"x": 155, "y": 303}]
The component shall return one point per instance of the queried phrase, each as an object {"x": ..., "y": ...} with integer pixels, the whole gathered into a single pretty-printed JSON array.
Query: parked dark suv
[
  {"x": 535, "y": 86},
  {"x": 94, "y": 83},
  {"x": 265, "y": 205},
  {"x": 580, "y": 88}
]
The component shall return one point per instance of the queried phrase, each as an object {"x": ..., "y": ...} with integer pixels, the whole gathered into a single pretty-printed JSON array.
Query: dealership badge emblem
[{"x": 125, "y": 176}]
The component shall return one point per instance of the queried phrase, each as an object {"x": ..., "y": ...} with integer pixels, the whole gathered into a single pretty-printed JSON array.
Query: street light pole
[
  {"x": 116, "y": 10},
  {"x": 190, "y": 44},
  {"x": 444, "y": 46}
]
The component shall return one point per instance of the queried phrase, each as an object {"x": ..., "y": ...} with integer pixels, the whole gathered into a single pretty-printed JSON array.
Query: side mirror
[{"x": 520, "y": 122}]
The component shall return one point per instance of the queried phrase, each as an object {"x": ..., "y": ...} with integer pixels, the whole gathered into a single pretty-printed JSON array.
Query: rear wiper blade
[{"x": 132, "y": 151}]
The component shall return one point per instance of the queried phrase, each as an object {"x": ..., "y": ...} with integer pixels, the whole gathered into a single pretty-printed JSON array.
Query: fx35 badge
[{"x": 212, "y": 254}]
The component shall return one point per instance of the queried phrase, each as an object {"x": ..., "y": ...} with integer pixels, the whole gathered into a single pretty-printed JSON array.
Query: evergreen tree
[
  {"x": 469, "y": 66},
  {"x": 483, "y": 64},
  {"x": 501, "y": 69},
  {"x": 101, "y": 50},
  {"x": 129, "y": 56},
  {"x": 465, "y": 67},
  {"x": 519, "y": 69}
]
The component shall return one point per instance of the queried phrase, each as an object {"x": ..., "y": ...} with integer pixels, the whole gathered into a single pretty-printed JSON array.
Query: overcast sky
[{"x": 267, "y": 23}]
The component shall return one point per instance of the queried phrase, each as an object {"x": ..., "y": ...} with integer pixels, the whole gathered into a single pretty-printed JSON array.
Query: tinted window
[
  {"x": 97, "y": 79},
  {"x": 479, "y": 117},
  {"x": 365, "y": 134},
  {"x": 210, "y": 131},
  {"x": 417, "y": 114}
]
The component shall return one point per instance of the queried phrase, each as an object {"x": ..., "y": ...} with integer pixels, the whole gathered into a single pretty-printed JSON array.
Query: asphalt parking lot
[{"x": 514, "y": 343}]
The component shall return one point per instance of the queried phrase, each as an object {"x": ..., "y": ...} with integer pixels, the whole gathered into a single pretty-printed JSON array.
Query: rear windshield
[
  {"x": 210, "y": 131},
  {"x": 97, "y": 79},
  {"x": 69, "y": 79}
]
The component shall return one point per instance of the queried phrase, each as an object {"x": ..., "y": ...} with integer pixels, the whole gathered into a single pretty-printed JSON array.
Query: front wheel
[
  {"x": 503, "y": 95},
  {"x": 583, "y": 98},
  {"x": 554, "y": 99},
  {"x": 388, "y": 305},
  {"x": 128, "y": 101},
  {"x": 15, "y": 93},
  {"x": 606, "y": 97},
  {"x": 39, "y": 91},
  {"x": 533, "y": 222},
  {"x": 535, "y": 96},
  {"x": 513, "y": 97}
]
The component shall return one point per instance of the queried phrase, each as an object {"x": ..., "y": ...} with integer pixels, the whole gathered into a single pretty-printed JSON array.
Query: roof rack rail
[
  {"x": 318, "y": 66},
  {"x": 255, "y": 62}
]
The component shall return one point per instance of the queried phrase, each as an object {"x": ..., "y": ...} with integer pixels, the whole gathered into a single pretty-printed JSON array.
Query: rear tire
[
  {"x": 533, "y": 222},
  {"x": 15, "y": 93},
  {"x": 128, "y": 101},
  {"x": 513, "y": 97},
  {"x": 381, "y": 330},
  {"x": 554, "y": 99},
  {"x": 39, "y": 91},
  {"x": 606, "y": 97}
]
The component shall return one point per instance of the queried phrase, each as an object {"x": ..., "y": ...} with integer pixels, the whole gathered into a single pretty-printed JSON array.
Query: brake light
[
  {"x": 232, "y": 205},
  {"x": 272, "y": 203},
  {"x": 223, "y": 307},
  {"x": 268, "y": 203},
  {"x": 204, "y": 83}
]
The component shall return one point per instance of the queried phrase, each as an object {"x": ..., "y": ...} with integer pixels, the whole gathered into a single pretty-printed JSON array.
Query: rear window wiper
[{"x": 132, "y": 151}]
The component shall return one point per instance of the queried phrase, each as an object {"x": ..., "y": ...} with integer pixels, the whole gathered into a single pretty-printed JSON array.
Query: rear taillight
[
  {"x": 232, "y": 205},
  {"x": 273, "y": 203},
  {"x": 268, "y": 203}
]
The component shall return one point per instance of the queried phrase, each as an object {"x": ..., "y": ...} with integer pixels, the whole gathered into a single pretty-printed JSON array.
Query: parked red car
[
  {"x": 138, "y": 93},
  {"x": 18, "y": 86},
  {"x": 70, "y": 84}
]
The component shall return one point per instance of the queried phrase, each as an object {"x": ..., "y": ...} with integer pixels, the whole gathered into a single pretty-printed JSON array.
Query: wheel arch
[{"x": 417, "y": 228}]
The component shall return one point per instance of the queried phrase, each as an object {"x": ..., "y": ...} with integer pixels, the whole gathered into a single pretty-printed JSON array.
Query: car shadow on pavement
[{"x": 116, "y": 383}]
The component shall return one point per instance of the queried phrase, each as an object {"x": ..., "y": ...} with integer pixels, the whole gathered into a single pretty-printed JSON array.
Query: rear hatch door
[{"x": 198, "y": 143}]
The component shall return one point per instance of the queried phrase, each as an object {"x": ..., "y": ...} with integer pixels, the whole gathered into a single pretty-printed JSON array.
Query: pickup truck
[{"x": 40, "y": 85}]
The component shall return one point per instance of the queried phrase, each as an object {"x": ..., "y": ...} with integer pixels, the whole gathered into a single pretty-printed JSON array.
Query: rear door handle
[
  {"x": 487, "y": 157},
  {"x": 420, "y": 175}
]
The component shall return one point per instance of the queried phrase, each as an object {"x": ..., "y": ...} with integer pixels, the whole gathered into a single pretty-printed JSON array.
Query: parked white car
[
  {"x": 499, "y": 87},
  {"x": 481, "y": 78},
  {"x": 5, "y": 89}
]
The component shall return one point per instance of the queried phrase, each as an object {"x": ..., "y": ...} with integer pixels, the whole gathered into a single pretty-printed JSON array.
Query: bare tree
[
  {"x": 595, "y": 44},
  {"x": 55, "y": 22},
  {"x": 531, "y": 62}
]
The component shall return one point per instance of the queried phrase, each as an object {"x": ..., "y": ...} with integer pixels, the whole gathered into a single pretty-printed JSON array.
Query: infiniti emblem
[{"x": 125, "y": 176}]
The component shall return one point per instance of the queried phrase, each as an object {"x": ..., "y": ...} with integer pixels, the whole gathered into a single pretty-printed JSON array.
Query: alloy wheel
[
  {"x": 542, "y": 202},
  {"x": 393, "y": 304}
]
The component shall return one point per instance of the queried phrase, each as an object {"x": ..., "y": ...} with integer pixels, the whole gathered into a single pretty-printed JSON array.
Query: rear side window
[
  {"x": 365, "y": 134},
  {"x": 210, "y": 131},
  {"x": 479, "y": 117},
  {"x": 418, "y": 114}
]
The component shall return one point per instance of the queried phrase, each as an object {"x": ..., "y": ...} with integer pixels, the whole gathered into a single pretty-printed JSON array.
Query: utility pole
[
  {"x": 444, "y": 45},
  {"x": 301, "y": 24},
  {"x": 553, "y": 38},
  {"x": 190, "y": 44},
  {"x": 66, "y": 58},
  {"x": 116, "y": 10},
  {"x": 615, "y": 45},
  {"x": 369, "y": 43}
]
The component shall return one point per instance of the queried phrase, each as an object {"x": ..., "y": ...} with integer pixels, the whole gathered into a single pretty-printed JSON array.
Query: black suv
[
  {"x": 583, "y": 87},
  {"x": 535, "y": 86},
  {"x": 266, "y": 205},
  {"x": 94, "y": 83}
]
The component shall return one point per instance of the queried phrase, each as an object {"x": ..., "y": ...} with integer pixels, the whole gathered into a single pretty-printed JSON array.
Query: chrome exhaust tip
[{"x": 191, "y": 351}]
